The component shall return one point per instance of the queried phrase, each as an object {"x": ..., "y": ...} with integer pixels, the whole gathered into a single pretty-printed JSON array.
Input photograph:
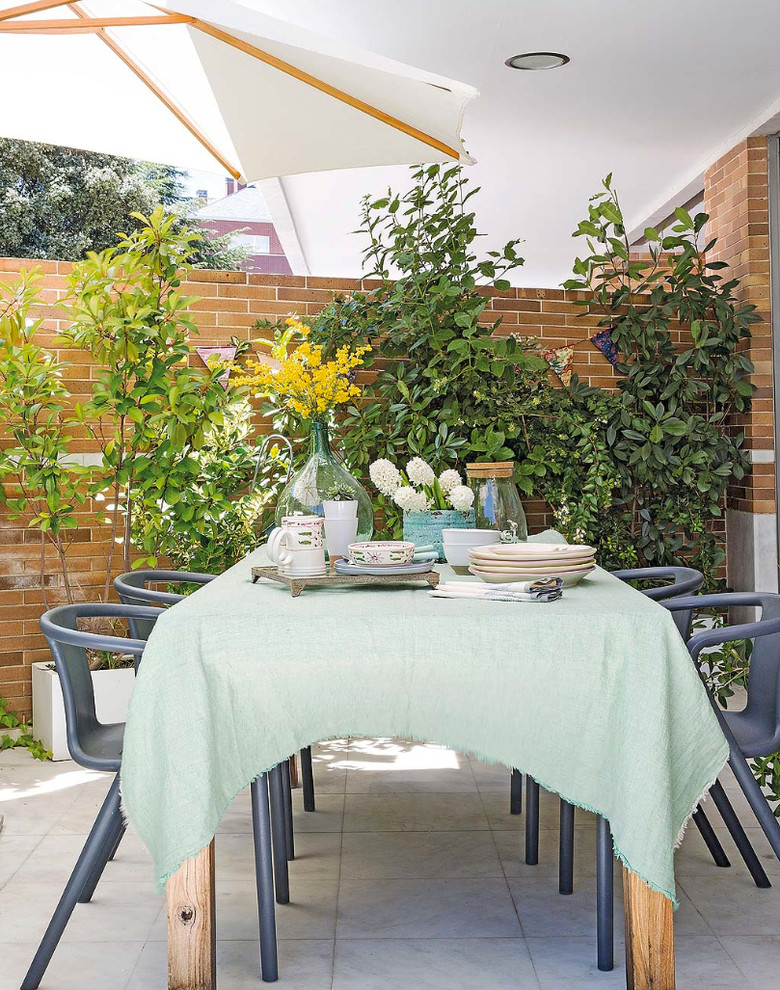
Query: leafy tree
[
  {"x": 61, "y": 203},
  {"x": 443, "y": 380},
  {"x": 671, "y": 439},
  {"x": 148, "y": 408}
]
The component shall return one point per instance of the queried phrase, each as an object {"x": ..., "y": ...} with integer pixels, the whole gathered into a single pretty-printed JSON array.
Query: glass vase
[
  {"x": 497, "y": 501},
  {"x": 321, "y": 478}
]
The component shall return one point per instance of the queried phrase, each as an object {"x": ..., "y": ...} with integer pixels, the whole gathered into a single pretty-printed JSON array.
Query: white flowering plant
[{"x": 417, "y": 489}]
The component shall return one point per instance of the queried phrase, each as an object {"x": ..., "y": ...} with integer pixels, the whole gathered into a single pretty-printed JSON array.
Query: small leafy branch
[
  {"x": 23, "y": 738},
  {"x": 39, "y": 483}
]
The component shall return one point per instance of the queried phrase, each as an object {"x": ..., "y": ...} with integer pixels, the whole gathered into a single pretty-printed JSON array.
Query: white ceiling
[{"x": 654, "y": 92}]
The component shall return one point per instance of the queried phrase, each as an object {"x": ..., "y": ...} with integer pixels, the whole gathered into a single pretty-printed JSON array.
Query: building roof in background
[{"x": 246, "y": 204}]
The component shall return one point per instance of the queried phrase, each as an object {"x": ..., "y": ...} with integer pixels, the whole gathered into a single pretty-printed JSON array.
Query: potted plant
[
  {"x": 112, "y": 683},
  {"x": 429, "y": 504}
]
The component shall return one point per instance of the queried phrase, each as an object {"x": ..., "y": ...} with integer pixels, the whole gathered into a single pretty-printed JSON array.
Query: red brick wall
[
  {"x": 230, "y": 303},
  {"x": 736, "y": 198}
]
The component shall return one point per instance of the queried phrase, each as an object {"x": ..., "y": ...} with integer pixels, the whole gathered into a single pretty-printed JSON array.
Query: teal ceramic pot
[{"x": 423, "y": 528}]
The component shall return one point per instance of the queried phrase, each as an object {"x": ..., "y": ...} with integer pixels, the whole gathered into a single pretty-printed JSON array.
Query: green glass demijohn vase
[{"x": 322, "y": 477}]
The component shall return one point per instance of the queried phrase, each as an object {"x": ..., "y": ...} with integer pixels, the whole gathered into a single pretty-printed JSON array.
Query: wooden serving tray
[{"x": 297, "y": 584}]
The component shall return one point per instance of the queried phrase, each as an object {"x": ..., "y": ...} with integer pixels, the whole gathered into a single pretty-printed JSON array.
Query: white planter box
[{"x": 112, "y": 696}]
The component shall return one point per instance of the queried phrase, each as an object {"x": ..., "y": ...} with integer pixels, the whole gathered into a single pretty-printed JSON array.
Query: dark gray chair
[
  {"x": 98, "y": 746},
  {"x": 753, "y": 733},
  {"x": 686, "y": 581},
  {"x": 681, "y": 581},
  {"x": 134, "y": 588}
]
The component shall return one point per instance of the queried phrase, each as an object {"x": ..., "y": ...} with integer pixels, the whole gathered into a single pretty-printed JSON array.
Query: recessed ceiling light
[{"x": 531, "y": 61}]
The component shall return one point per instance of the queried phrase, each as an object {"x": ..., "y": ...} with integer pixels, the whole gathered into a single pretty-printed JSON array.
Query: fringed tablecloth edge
[{"x": 201, "y": 844}]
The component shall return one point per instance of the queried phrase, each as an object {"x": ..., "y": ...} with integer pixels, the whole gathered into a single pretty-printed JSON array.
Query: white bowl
[
  {"x": 381, "y": 553},
  {"x": 456, "y": 555},
  {"x": 470, "y": 537}
]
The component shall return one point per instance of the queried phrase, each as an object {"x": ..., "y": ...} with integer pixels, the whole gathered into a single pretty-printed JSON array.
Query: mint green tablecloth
[{"x": 594, "y": 696}]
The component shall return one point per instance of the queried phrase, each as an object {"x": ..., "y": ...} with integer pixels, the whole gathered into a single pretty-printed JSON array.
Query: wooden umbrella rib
[
  {"x": 31, "y": 8},
  {"x": 99, "y": 25},
  {"x": 323, "y": 87},
  {"x": 89, "y": 24},
  {"x": 122, "y": 54}
]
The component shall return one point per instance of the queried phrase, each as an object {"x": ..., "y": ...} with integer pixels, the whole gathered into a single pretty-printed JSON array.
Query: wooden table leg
[
  {"x": 192, "y": 931},
  {"x": 649, "y": 936},
  {"x": 294, "y": 781}
]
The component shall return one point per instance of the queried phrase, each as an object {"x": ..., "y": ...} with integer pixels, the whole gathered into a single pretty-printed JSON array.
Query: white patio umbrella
[{"x": 212, "y": 85}]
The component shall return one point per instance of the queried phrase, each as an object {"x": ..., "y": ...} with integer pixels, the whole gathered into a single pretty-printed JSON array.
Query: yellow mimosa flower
[{"x": 304, "y": 382}]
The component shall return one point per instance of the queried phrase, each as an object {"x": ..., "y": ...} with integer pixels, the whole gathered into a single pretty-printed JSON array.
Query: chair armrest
[
  {"x": 55, "y": 630},
  {"x": 130, "y": 591},
  {"x": 730, "y": 634},
  {"x": 725, "y": 599}
]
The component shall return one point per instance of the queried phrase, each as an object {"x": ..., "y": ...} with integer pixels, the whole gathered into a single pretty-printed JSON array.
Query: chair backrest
[
  {"x": 762, "y": 711},
  {"x": 133, "y": 589},
  {"x": 684, "y": 580},
  {"x": 69, "y": 647}
]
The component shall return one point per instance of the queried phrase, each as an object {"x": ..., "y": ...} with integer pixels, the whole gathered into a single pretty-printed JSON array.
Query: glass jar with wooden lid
[{"x": 497, "y": 501}]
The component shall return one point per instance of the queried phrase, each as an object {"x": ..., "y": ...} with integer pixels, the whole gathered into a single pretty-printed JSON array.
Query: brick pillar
[{"x": 736, "y": 198}]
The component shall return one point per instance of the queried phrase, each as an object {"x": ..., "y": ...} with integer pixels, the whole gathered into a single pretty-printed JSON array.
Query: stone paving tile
[{"x": 409, "y": 874}]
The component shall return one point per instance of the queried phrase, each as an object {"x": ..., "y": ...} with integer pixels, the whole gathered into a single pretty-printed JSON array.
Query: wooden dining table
[
  {"x": 192, "y": 930},
  {"x": 562, "y": 690}
]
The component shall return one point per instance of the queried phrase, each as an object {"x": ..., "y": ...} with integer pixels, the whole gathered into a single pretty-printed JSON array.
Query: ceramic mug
[
  {"x": 290, "y": 546},
  {"x": 305, "y": 532},
  {"x": 304, "y": 563}
]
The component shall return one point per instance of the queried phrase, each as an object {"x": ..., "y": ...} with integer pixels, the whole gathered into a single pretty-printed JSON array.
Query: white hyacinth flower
[
  {"x": 419, "y": 472},
  {"x": 409, "y": 499},
  {"x": 461, "y": 498},
  {"x": 385, "y": 476},
  {"x": 449, "y": 479}
]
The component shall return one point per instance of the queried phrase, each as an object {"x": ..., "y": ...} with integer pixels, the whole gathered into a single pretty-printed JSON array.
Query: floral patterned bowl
[{"x": 382, "y": 553}]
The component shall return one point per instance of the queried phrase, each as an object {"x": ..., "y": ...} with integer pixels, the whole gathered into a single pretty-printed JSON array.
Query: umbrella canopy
[{"x": 213, "y": 85}]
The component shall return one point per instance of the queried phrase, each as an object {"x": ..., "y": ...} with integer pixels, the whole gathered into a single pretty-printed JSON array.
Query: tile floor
[{"x": 408, "y": 877}]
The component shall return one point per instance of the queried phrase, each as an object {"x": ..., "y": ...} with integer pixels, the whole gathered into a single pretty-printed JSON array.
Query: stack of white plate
[{"x": 530, "y": 561}]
